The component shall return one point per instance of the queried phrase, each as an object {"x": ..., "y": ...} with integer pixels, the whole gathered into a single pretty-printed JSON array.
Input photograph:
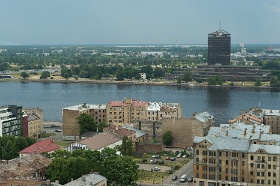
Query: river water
[{"x": 222, "y": 103}]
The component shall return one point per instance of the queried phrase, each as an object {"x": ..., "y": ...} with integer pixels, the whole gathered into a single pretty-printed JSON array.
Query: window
[
  {"x": 252, "y": 157},
  {"x": 243, "y": 163},
  {"x": 197, "y": 152},
  {"x": 269, "y": 166},
  {"x": 269, "y": 174},
  {"x": 274, "y": 158},
  {"x": 252, "y": 164},
  {"x": 226, "y": 162}
]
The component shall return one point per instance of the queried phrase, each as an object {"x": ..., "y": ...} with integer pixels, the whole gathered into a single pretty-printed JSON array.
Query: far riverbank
[{"x": 134, "y": 82}]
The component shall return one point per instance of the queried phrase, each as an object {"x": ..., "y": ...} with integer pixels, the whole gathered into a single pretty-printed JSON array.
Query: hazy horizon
[{"x": 132, "y": 22}]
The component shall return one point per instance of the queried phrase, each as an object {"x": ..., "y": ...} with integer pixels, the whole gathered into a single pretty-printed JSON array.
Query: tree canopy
[
  {"x": 167, "y": 138},
  {"x": 86, "y": 123}
]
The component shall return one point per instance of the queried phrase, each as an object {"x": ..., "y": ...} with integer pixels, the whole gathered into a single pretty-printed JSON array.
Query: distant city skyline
[{"x": 38, "y": 22}]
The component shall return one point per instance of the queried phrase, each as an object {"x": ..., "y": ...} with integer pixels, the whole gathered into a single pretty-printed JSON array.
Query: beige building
[
  {"x": 157, "y": 111},
  {"x": 35, "y": 122},
  {"x": 264, "y": 116},
  {"x": 71, "y": 127},
  {"x": 129, "y": 111},
  {"x": 125, "y": 111},
  {"x": 237, "y": 154}
]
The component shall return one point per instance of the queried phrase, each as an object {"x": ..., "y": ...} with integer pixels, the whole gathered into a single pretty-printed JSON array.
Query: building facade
[
  {"x": 219, "y": 44},
  {"x": 71, "y": 127},
  {"x": 11, "y": 120},
  {"x": 35, "y": 122},
  {"x": 126, "y": 111},
  {"x": 237, "y": 154}
]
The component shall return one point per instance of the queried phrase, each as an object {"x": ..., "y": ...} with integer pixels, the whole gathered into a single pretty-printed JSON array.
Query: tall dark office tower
[{"x": 219, "y": 48}]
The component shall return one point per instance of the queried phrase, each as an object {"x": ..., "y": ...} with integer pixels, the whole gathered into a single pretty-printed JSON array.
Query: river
[{"x": 223, "y": 103}]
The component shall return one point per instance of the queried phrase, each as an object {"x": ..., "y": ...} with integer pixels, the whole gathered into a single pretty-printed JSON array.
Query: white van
[{"x": 183, "y": 178}]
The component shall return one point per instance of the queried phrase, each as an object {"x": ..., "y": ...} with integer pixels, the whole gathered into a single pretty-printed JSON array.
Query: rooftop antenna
[{"x": 220, "y": 25}]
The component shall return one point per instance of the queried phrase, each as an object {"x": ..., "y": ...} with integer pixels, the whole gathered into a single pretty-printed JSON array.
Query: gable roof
[
  {"x": 41, "y": 146},
  {"x": 100, "y": 141}
]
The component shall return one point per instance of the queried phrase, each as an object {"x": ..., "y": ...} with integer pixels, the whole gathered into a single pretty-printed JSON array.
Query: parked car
[
  {"x": 57, "y": 130},
  {"x": 168, "y": 146},
  {"x": 172, "y": 159},
  {"x": 183, "y": 178},
  {"x": 160, "y": 162},
  {"x": 153, "y": 156},
  {"x": 157, "y": 156},
  {"x": 144, "y": 160},
  {"x": 174, "y": 177},
  {"x": 190, "y": 179},
  {"x": 184, "y": 156},
  {"x": 152, "y": 161},
  {"x": 179, "y": 155},
  {"x": 167, "y": 158},
  {"x": 156, "y": 169}
]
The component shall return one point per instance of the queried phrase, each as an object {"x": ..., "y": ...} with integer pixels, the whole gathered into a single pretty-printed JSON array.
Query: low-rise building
[
  {"x": 39, "y": 147},
  {"x": 157, "y": 111},
  {"x": 237, "y": 154},
  {"x": 35, "y": 122},
  {"x": 89, "y": 179},
  {"x": 27, "y": 170},
  {"x": 98, "y": 142}
]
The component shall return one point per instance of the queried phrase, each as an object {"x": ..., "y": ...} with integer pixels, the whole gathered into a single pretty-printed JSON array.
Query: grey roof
[
  {"x": 33, "y": 117},
  {"x": 270, "y": 137},
  {"x": 229, "y": 144},
  {"x": 270, "y": 149},
  {"x": 139, "y": 133},
  {"x": 87, "y": 180},
  {"x": 259, "y": 113},
  {"x": 203, "y": 116},
  {"x": 238, "y": 136},
  {"x": 82, "y": 107}
]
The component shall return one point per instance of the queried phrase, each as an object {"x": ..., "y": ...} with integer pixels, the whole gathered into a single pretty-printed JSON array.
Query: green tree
[
  {"x": 167, "y": 138},
  {"x": 274, "y": 82},
  {"x": 120, "y": 170},
  {"x": 120, "y": 75},
  {"x": 24, "y": 75},
  {"x": 211, "y": 81},
  {"x": 9, "y": 151},
  {"x": 66, "y": 73},
  {"x": 187, "y": 77},
  {"x": 219, "y": 80},
  {"x": 45, "y": 75},
  {"x": 126, "y": 148},
  {"x": 258, "y": 83},
  {"x": 102, "y": 125},
  {"x": 20, "y": 144},
  {"x": 158, "y": 72},
  {"x": 179, "y": 80},
  {"x": 86, "y": 123},
  {"x": 30, "y": 141}
]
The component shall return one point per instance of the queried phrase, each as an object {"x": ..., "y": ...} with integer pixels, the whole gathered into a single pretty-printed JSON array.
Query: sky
[{"x": 46, "y": 22}]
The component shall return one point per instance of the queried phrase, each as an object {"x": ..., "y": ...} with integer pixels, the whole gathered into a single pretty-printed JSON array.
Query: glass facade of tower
[{"x": 219, "y": 48}]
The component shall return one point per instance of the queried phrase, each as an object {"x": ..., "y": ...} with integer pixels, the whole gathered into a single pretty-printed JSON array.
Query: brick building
[{"x": 71, "y": 127}]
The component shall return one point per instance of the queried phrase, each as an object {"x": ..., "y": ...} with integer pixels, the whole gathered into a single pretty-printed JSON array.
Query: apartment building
[
  {"x": 11, "y": 120},
  {"x": 126, "y": 111},
  {"x": 71, "y": 127},
  {"x": 265, "y": 116},
  {"x": 157, "y": 111},
  {"x": 237, "y": 154},
  {"x": 34, "y": 122}
]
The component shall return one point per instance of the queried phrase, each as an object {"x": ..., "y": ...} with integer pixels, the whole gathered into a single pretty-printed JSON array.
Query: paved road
[{"x": 186, "y": 169}]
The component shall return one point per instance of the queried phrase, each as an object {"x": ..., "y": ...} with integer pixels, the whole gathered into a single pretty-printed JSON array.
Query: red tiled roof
[{"x": 42, "y": 146}]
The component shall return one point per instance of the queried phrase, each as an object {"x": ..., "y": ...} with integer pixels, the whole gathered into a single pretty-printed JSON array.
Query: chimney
[{"x": 139, "y": 125}]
